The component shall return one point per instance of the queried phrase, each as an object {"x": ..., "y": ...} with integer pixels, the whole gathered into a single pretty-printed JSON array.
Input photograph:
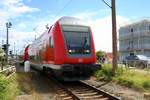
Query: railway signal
[{"x": 4, "y": 47}]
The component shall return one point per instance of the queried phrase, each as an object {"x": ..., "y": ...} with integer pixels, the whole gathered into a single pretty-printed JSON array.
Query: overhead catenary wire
[
  {"x": 60, "y": 11},
  {"x": 107, "y": 4}
]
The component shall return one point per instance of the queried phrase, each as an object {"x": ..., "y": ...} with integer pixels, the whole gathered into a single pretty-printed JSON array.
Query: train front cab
[{"x": 79, "y": 59}]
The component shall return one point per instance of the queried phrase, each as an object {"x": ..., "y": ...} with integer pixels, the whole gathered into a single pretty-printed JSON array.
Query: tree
[
  {"x": 100, "y": 56},
  {"x": 100, "y": 53}
]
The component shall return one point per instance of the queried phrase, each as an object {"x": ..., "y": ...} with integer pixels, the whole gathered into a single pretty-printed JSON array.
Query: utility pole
[
  {"x": 114, "y": 37},
  {"x": 8, "y": 25}
]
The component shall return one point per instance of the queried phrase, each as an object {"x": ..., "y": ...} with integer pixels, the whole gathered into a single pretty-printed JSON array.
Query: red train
[{"x": 66, "y": 49}]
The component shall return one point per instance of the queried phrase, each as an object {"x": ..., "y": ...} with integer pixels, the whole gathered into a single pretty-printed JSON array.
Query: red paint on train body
[
  {"x": 66, "y": 46},
  {"x": 26, "y": 54}
]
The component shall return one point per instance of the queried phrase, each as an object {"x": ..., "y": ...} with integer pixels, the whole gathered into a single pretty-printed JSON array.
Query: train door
[
  {"x": 37, "y": 57},
  {"x": 40, "y": 56},
  {"x": 50, "y": 52},
  {"x": 51, "y": 47}
]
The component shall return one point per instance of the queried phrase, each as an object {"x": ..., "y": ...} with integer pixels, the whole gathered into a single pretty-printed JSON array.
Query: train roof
[{"x": 71, "y": 21}]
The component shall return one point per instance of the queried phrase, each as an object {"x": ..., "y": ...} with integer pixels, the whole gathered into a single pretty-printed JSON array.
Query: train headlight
[
  {"x": 70, "y": 51},
  {"x": 87, "y": 51}
]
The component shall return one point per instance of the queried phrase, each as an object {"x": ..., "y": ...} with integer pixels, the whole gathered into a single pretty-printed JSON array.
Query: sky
[{"x": 29, "y": 17}]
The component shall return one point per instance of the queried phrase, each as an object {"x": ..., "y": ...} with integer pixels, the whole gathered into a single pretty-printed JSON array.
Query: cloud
[
  {"x": 22, "y": 9},
  {"x": 14, "y": 8},
  {"x": 20, "y": 38},
  {"x": 102, "y": 28},
  {"x": 10, "y": 2},
  {"x": 102, "y": 31},
  {"x": 21, "y": 26},
  {"x": 88, "y": 15},
  {"x": 29, "y": 0}
]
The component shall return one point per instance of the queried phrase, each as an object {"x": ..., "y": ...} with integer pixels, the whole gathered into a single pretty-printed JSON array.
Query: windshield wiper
[{"x": 85, "y": 43}]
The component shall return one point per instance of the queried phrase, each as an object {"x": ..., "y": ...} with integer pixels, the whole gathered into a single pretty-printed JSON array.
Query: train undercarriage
[{"x": 72, "y": 72}]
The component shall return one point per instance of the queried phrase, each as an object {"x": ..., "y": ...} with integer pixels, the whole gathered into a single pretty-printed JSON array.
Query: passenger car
[{"x": 66, "y": 49}]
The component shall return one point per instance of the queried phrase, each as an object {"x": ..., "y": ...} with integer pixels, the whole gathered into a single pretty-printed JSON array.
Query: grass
[
  {"x": 125, "y": 76},
  {"x": 16, "y": 85},
  {"x": 8, "y": 88}
]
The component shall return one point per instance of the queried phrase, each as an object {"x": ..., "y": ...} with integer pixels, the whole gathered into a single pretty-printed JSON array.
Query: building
[
  {"x": 109, "y": 57},
  {"x": 134, "y": 38}
]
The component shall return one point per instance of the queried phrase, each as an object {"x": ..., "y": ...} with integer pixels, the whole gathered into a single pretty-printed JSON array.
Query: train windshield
[{"x": 78, "y": 39}]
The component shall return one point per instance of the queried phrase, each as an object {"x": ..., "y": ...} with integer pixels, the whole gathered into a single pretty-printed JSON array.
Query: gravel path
[
  {"x": 34, "y": 86},
  {"x": 115, "y": 89}
]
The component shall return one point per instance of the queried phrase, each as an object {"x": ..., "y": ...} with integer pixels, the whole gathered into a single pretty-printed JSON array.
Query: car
[{"x": 140, "y": 61}]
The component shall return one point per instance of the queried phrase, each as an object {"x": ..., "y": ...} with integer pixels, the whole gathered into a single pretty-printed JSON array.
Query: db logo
[{"x": 80, "y": 60}]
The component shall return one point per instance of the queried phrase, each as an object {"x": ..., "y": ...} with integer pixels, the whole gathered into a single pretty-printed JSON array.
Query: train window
[
  {"x": 51, "y": 42},
  {"x": 77, "y": 41}
]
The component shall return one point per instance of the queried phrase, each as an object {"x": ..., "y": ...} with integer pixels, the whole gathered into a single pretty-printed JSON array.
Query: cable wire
[
  {"x": 69, "y": 1},
  {"x": 106, "y": 3},
  {"x": 63, "y": 8}
]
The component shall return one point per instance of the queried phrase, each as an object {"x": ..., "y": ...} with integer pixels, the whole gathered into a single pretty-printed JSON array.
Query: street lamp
[{"x": 8, "y": 25}]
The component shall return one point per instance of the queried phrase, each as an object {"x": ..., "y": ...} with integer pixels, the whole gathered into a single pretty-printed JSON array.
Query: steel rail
[
  {"x": 110, "y": 97},
  {"x": 74, "y": 97}
]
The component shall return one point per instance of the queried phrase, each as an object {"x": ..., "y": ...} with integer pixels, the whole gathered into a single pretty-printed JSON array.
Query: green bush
[
  {"x": 146, "y": 84},
  {"x": 3, "y": 87},
  {"x": 8, "y": 88},
  {"x": 125, "y": 82},
  {"x": 105, "y": 73},
  {"x": 124, "y": 76},
  {"x": 100, "y": 54}
]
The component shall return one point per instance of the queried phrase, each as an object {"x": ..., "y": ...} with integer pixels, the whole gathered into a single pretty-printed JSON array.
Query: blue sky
[{"x": 29, "y": 17}]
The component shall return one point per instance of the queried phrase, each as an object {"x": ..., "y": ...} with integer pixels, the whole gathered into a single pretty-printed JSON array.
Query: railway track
[
  {"x": 78, "y": 91},
  {"x": 81, "y": 91}
]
